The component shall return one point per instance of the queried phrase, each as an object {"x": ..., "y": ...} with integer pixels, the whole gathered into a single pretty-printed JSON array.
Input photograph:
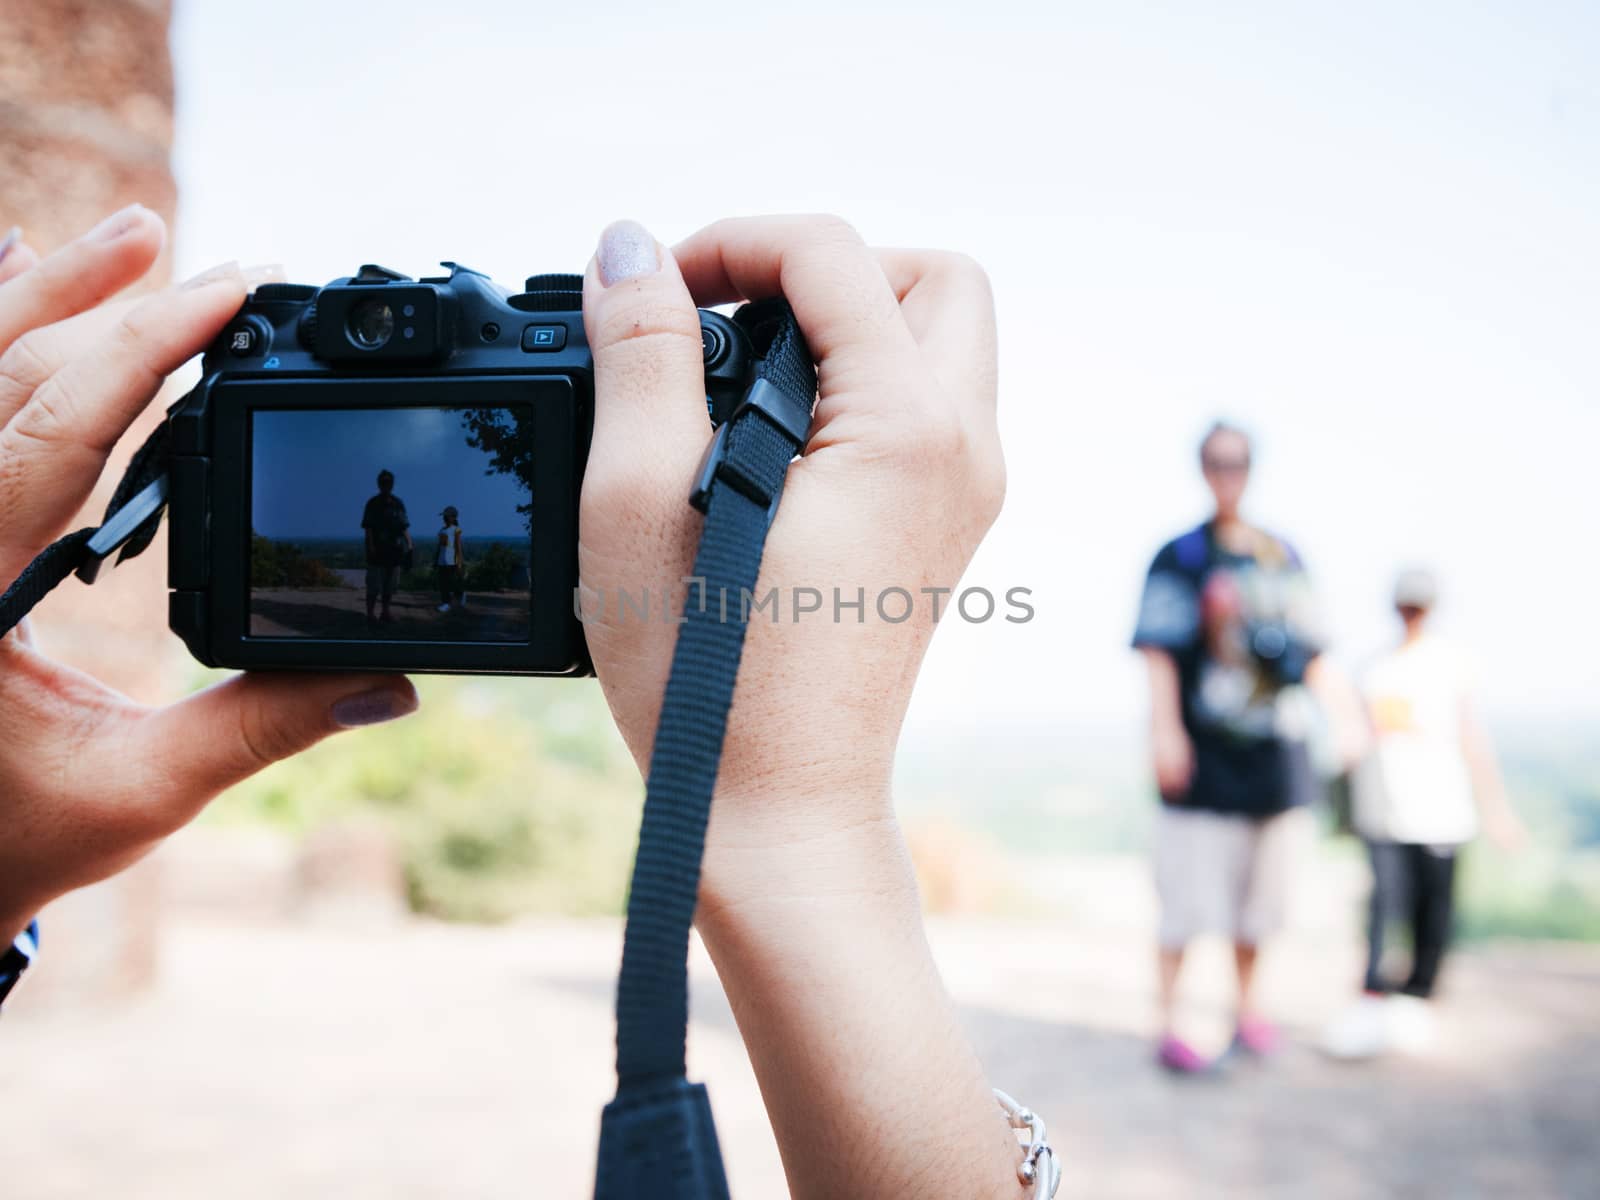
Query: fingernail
[
  {"x": 10, "y": 240},
  {"x": 373, "y": 708},
  {"x": 261, "y": 273},
  {"x": 117, "y": 224},
  {"x": 227, "y": 270},
  {"x": 627, "y": 251}
]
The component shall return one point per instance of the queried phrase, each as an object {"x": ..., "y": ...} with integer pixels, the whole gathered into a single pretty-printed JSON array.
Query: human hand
[
  {"x": 89, "y": 780},
  {"x": 902, "y": 476},
  {"x": 808, "y": 904},
  {"x": 1173, "y": 752},
  {"x": 1505, "y": 830}
]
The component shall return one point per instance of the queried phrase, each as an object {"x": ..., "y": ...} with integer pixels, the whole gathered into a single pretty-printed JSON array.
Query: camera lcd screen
[{"x": 405, "y": 524}]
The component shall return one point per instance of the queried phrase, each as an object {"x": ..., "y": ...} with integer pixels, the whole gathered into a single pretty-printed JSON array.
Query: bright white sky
[{"x": 1368, "y": 231}]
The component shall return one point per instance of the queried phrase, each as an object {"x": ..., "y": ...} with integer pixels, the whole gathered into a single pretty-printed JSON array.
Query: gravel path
[{"x": 410, "y": 1060}]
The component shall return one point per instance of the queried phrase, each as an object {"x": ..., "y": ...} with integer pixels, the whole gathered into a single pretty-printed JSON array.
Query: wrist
[{"x": 772, "y": 847}]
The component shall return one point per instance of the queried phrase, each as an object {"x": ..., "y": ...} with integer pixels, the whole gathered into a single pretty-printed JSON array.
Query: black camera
[{"x": 383, "y": 474}]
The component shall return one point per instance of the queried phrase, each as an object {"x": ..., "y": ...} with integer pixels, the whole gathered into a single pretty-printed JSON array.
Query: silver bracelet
[{"x": 1039, "y": 1167}]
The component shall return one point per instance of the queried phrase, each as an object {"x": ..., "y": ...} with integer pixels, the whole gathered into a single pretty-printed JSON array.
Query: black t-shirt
[
  {"x": 1240, "y": 627},
  {"x": 385, "y": 518}
]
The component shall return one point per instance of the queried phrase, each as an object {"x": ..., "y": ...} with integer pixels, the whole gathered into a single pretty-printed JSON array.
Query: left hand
[
  {"x": 89, "y": 780},
  {"x": 1505, "y": 830}
]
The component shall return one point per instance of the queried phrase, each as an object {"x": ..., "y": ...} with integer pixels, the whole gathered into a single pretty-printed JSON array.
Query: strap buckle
[
  {"x": 792, "y": 420},
  {"x": 121, "y": 527}
]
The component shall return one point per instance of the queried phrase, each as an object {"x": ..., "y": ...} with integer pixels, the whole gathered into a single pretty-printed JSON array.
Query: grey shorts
[{"x": 1227, "y": 874}]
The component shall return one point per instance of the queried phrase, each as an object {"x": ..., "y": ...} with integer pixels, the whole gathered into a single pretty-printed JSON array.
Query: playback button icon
[{"x": 537, "y": 338}]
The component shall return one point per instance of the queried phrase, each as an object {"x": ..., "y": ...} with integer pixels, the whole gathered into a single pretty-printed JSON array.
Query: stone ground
[
  {"x": 341, "y": 613},
  {"x": 405, "y": 1059}
]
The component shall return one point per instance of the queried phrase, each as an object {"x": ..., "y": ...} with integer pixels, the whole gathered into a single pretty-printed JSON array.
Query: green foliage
[
  {"x": 508, "y": 436},
  {"x": 495, "y": 569},
  {"x": 492, "y": 568},
  {"x": 504, "y": 796},
  {"x": 1540, "y": 894},
  {"x": 283, "y": 564}
]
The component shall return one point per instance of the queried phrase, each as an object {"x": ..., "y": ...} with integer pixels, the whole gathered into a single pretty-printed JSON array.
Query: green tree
[{"x": 507, "y": 436}]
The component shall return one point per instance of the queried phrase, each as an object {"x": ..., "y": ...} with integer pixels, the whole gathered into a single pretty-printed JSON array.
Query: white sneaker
[
  {"x": 442, "y": 608},
  {"x": 1361, "y": 1031},
  {"x": 1412, "y": 1027}
]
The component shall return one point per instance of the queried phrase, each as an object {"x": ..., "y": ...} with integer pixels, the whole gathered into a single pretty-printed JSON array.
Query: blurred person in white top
[{"x": 1419, "y": 798}]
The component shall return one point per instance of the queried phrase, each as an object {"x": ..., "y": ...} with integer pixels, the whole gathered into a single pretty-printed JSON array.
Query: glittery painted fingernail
[
  {"x": 227, "y": 270},
  {"x": 261, "y": 273},
  {"x": 627, "y": 251},
  {"x": 10, "y": 240},
  {"x": 373, "y": 708},
  {"x": 117, "y": 224}
]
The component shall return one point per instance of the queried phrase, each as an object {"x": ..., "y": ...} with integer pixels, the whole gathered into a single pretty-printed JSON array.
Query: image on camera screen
[{"x": 404, "y": 524}]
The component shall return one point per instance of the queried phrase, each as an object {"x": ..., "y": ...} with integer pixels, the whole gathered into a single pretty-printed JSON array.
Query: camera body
[{"x": 383, "y": 474}]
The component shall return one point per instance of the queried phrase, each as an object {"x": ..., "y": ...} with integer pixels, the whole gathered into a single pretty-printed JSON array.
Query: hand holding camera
[
  {"x": 807, "y": 902},
  {"x": 90, "y": 781}
]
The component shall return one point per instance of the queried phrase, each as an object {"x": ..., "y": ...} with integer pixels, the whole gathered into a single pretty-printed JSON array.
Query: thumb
[
  {"x": 650, "y": 424},
  {"x": 215, "y": 738}
]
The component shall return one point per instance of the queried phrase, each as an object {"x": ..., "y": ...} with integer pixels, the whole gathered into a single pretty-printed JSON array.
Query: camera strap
[
  {"x": 657, "y": 1139},
  {"x": 132, "y": 518}
]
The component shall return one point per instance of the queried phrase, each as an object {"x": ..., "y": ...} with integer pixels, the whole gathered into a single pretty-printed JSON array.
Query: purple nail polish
[
  {"x": 627, "y": 251},
  {"x": 117, "y": 224},
  {"x": 371, "y": 708},
  {"x": 10, "y": 240}
]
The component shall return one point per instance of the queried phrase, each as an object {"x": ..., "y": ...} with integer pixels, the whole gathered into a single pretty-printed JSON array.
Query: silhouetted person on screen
[
  {"x": 449, "y": 559},
  {"x": 388, "y": 533}
]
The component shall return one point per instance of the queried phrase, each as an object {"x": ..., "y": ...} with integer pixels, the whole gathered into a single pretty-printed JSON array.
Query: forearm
[
  {"x": 1342, "y": 704},
  {"x": 1488, "y": 784},
  {"x": 1166, "y": 699},
  {"x": 872, "y": 1088}
]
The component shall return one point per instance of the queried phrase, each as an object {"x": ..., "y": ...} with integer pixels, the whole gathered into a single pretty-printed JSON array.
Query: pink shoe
[
  {"x": 1257, "y": 1036},
  {"x": 1176, "y": 1055}
]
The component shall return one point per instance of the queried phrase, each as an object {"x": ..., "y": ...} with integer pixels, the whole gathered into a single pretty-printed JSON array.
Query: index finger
[
  {"x": 948, "y": 305},
  {"x": 82, "y": 273},
  {"x": 53, "y": 450},
  {"x": 839, "y": 293}
]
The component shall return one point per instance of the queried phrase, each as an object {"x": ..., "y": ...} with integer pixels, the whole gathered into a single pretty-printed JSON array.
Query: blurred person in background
[
  {"x": 1431, "y": 781},
  {"x": 1228, "y": 632}
]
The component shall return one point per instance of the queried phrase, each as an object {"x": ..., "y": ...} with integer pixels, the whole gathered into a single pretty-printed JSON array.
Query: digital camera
[{"x": 383, "y": 474}]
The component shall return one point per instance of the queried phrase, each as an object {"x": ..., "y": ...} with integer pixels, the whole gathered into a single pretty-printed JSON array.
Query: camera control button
[
  {"x": 712, "y": 344},
  {"x": 536, "y": 338},
  {"x": 246, "y": 337}
]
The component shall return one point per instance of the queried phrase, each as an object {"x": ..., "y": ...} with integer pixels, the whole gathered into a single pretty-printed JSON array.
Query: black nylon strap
[
  {"x": 656, "y": 1137},
  {"x": 72, "y": 553},
  {"x": 60, "y": 559}
]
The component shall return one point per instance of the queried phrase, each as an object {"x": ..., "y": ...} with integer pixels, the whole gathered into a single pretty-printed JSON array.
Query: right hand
[
  {"x": 808, "y": 904},
  {"x": 1173, "y": 752},
  {"x": 899, "y": 481}
]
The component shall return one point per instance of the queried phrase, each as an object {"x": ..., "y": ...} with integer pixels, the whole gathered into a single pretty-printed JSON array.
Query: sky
[
  {"x": 1367, "y": 231},
  {"x": 312, "y": 473}
]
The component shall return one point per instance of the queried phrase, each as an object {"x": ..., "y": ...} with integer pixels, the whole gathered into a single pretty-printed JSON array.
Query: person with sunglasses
[{"x": 1228, "y": 632}]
